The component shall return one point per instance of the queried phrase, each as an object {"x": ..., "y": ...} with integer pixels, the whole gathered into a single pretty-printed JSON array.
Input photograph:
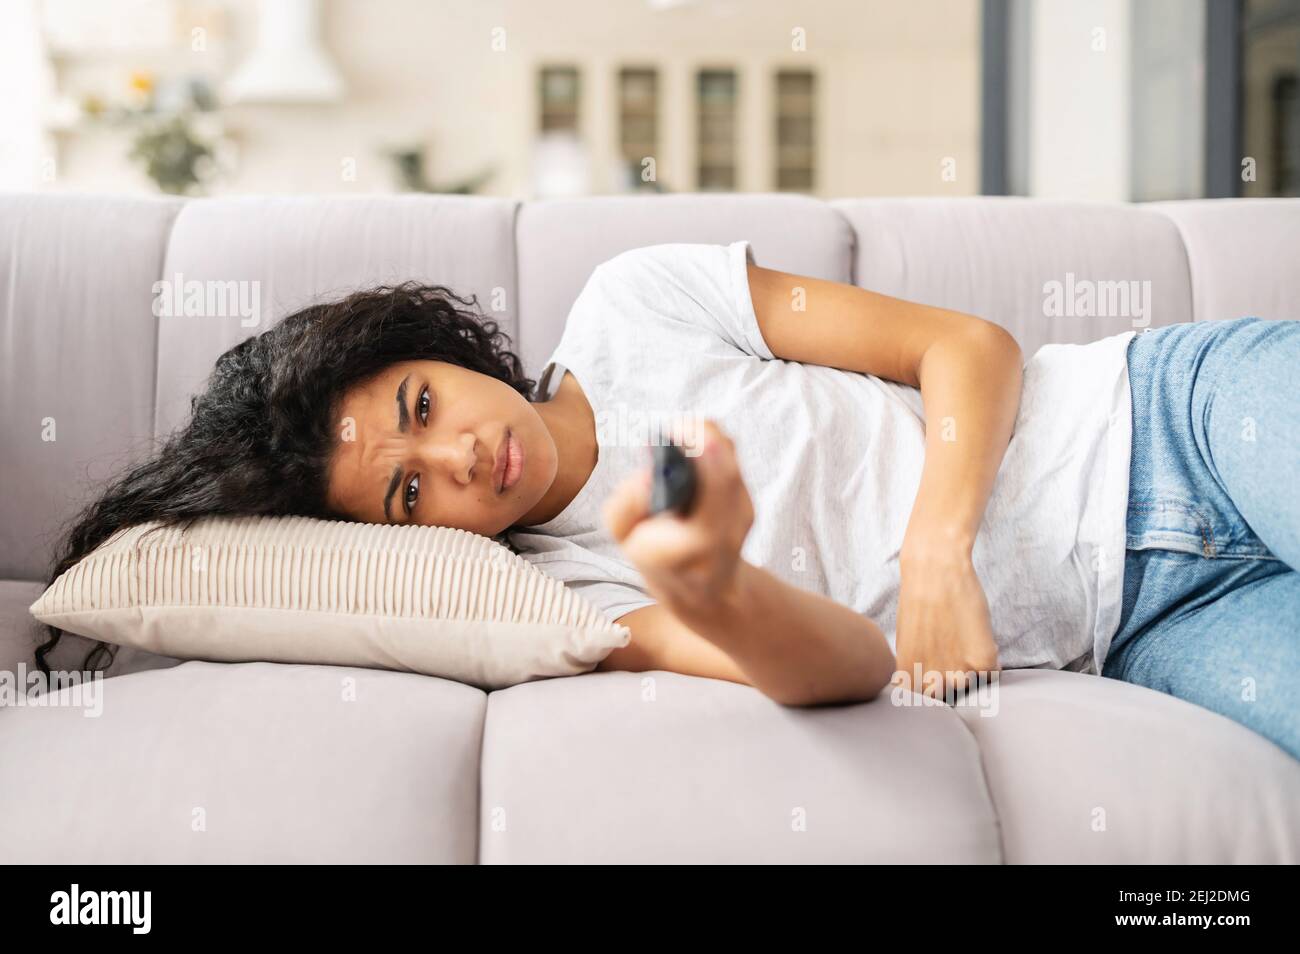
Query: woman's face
[{"x": 430, "y": 443}]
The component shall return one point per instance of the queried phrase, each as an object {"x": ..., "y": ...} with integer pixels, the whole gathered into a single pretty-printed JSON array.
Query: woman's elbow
[
  {"x": 801, "y": 695},
  {"x": 1000, "y": 341}
]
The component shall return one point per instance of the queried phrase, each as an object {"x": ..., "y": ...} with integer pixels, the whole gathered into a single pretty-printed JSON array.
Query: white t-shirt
[{"x": 667, "y": 334}]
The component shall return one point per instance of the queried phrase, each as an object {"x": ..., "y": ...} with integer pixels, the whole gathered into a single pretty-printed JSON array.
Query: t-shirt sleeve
[
  {"x": 705, "y": 285},
  {"x": 610, "y": 586},
  {"x": 612, "y": 599}
]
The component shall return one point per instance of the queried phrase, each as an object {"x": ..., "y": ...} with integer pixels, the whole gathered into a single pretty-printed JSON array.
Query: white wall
[
  {"x": 898, "y": 91},
  {"x": 26, "y": 153},
  {"x": 1078, "y": 108}
]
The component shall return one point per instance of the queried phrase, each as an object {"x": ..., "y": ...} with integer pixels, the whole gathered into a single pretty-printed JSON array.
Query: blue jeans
[{"x": 1211, "y": 609}]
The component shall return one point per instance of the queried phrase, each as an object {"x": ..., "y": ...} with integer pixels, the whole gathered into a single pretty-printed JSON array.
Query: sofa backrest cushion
[
  {"x": 1030, "y": 265},
  {"x": 298, "y": 250},
  {"x": 77, "y": 360},
  {"x": 1243, "y": 255},
  {"x": 89, "y": 376},
  {"x": 560, "y": 242}
]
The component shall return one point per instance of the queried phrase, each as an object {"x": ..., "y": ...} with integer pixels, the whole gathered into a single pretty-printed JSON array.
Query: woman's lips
[{"x": 509, "y": 464}]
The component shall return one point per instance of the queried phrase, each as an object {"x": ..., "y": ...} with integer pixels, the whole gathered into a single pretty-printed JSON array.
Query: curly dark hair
[{"x": 261, "y": 434}]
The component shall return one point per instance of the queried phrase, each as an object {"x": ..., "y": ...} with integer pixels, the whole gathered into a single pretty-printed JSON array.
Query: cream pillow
[{"x": 292, "y": 589}]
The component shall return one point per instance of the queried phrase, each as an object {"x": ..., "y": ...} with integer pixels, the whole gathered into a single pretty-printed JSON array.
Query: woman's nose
[{"x": 455, "y": 455}]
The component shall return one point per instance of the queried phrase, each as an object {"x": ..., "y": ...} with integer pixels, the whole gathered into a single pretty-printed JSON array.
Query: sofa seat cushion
[
  {"x": 247, "y": 763},
  {"x": 1088, "y": 770},
  {"x": 659, "y": 767}
]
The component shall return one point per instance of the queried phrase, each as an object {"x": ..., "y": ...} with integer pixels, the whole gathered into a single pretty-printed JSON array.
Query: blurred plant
[
  {"x": 173, "y": 157},
  {"x": 410, "y": 166},
  {"x": 141, "y": 84},
  {"x": 164, "y": 119}
]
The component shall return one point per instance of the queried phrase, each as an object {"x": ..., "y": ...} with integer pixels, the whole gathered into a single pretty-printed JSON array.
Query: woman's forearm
[
  {"x": 970, "y": 386},
  {"x": 795, "y": 646},
  {"x": 968, "y": 370}
]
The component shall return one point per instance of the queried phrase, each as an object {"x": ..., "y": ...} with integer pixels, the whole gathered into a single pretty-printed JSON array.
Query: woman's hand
[
  {"x": 943, "y": 623},
  {"x": 796, "y": 647},
  {"x": 689, "y": 563}
]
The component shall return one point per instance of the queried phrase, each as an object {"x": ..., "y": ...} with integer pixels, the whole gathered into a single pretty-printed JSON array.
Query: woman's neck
[{"x": 572, "y": 425}]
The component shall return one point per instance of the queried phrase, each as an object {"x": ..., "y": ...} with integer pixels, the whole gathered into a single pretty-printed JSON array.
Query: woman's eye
[
  {"x": 412, "y": 492},
  {"x": 422, "y": 406}
]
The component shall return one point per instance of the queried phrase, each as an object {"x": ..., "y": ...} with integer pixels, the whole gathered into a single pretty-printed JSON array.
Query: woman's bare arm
[
  {"x": 968, "y": 370},
  {"x": 661, "y": 641},
  {"x": 797, "y": 647},
  {"x": 719, "y": 616},
  {"x": 969, "y": 374}
]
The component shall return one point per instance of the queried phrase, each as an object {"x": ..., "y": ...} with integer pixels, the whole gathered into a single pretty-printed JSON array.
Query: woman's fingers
[
  {"x": 628, "y": 505},
  {"x": 938, "y": 678},
  {"x": 711, "y": 533},
  {"x": 721, "y": 497}
]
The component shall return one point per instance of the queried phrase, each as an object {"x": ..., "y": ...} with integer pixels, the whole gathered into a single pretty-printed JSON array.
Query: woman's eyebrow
[
  {"x": 403, "y": 425},
  {"x": 403, "y": 415},
  {"x": 392, "y": 489}
]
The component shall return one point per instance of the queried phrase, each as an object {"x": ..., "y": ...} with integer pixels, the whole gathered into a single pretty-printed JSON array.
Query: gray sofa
[{"x": 202, "y": 762}]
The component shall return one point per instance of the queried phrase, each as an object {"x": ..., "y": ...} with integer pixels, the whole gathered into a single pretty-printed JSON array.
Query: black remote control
[{"x": 673, "y": 485}]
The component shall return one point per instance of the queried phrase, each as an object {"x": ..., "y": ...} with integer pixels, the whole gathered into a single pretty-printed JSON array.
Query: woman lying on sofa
[{"x": 1037, "y": 521}]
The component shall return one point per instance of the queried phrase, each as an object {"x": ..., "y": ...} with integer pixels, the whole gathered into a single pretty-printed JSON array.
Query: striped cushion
[{"x": 292, "y": 589}]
